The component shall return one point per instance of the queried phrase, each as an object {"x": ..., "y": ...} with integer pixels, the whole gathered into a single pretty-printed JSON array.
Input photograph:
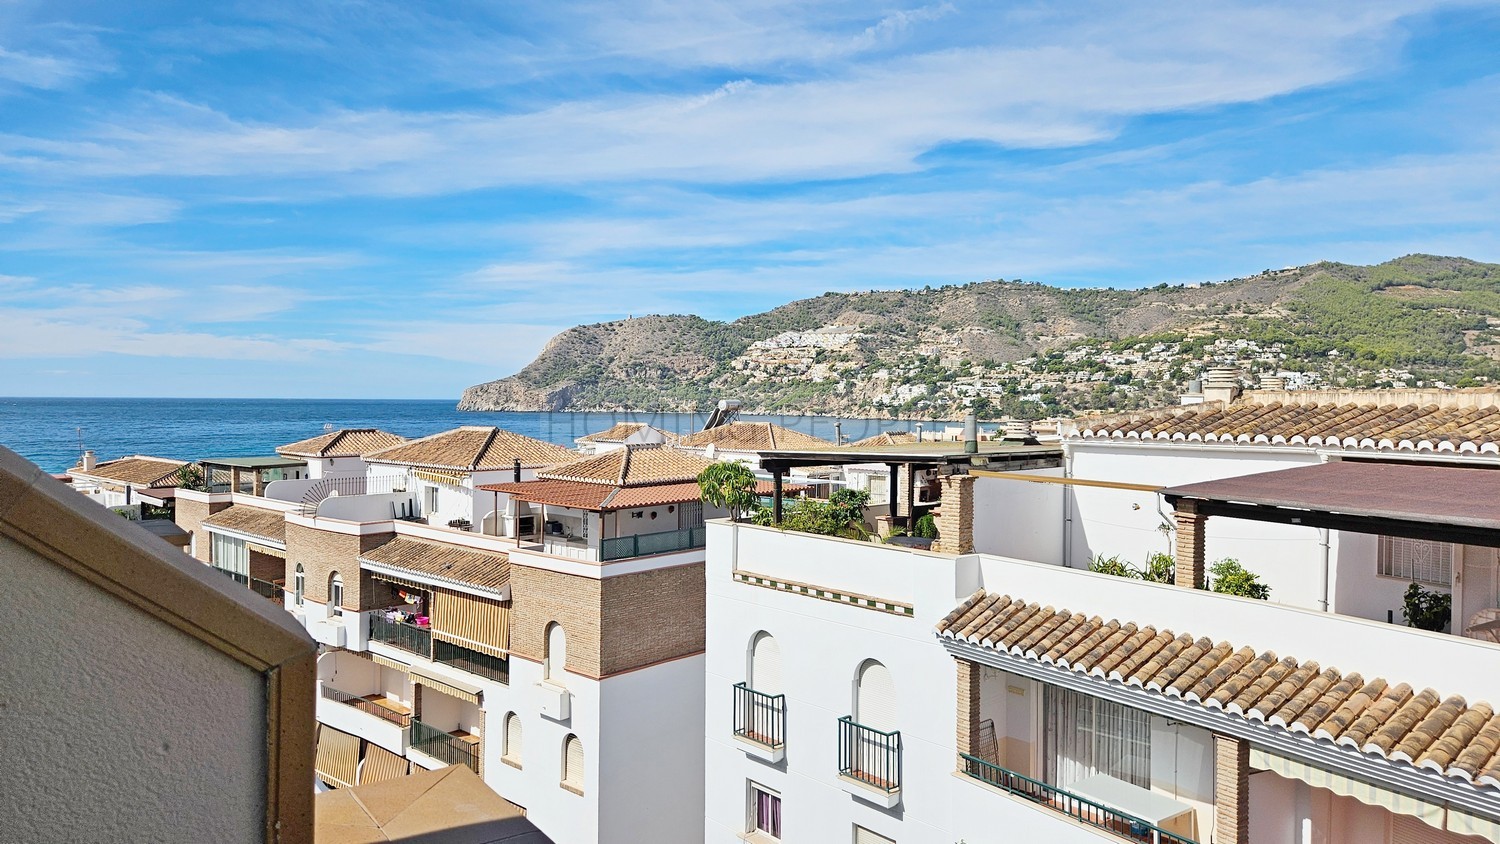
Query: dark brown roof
[
  {"x": 269, "y": 525},
  {"x": 442, "y": 562},
  {"x": 1374, "y": 716},
  {"x": 1436, "y": 421},
  {"x": 1445, "y": 495},
  {"x": 347, "y": 442},
  {"x": 474, "y": 448}
]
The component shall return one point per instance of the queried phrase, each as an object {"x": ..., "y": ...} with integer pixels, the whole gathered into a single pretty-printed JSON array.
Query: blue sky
[{"x": 377, "y": 200}]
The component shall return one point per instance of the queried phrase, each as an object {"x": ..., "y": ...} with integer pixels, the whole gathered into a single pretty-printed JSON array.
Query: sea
[{"x": 53, "y": 432}]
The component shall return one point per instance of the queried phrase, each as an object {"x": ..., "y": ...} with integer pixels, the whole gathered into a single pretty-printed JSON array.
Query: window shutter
[
  {"x": 573, "y": 770},
  {"x": 557, "y": 652},
  {"x": 875, "y": 705},
  {"x": 513, "y": 737},
  {"x": 1406, "y": 829},
  {"x": 864, "y": 836},
  {"x": 765, "y": 665}
]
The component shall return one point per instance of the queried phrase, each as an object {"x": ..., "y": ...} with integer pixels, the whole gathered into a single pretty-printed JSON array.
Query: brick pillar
[
  {"x": 234, "y": 479},
  {"x": 968, "y": 706},
  {"x": 259, "y": 484},
  {"x": 1231, "y": 790},
  {"x": 1190, "y": 531},
  {"x": 955, "y": 519},
  {"x": 903, "y": 483}
]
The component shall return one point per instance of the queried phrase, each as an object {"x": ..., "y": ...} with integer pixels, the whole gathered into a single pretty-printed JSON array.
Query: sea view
[{"x": 53, "y": 431}]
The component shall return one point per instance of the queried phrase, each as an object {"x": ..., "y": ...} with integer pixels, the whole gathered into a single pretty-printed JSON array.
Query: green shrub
[
  {"x": 1228, "y": 577},
  {"x": 1113, "y": 566},
  {"x": 926, "y": 527},
  {"x": 1426, "y": 609},
  {"x": 1160, "y": 568}
]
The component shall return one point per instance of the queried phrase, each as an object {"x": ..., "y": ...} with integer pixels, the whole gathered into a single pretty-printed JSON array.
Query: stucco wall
[
  {"x": 1019, "y": 519},
  {"x": 117, "y": 727}
]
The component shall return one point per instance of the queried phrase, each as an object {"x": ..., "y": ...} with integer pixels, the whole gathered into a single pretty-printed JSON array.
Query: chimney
[
  {"x": 1272, "y": 382},
  {"x": 89, "y": 461},
  {"x": 1019, "y": 431},
  {"x": 955, "y": 516},
  {"x": 517, "y": 470},
  {"x": 1222, "y": 383},
  {"x": 971, "y": 434}
]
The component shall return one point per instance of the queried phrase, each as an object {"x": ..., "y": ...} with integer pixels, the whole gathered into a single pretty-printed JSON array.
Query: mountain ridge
[{"x": 1030, "y": 349}]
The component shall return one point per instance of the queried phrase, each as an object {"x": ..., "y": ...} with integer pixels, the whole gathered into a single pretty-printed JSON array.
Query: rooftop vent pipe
[{"x": 971, "y": 434}]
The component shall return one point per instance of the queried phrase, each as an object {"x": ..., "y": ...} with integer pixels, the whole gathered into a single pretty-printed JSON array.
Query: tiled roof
[
  {"x": 267, "y": 524},
  {"x": 598, "y": 497},
  {"x": 752, "y": 436},
  {"x": 1437, "y": 425},
  {"x": 620, "y": 432},
  {"x": 442, "y": 562},
  {"x": 633, "y": 465},
  {"x": 137, "y": 469},
  {"x": 473, "y": 448},
  {"x": 347, "y": 442},
  {"x": 885, "y": 438},
  {"x": 1391, "y": 721},
  {"x": 769, "y": 488}
]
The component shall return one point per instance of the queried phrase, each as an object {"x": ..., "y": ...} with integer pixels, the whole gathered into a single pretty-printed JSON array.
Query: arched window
[
  {"x": 299, "y": 585},
  {"x": 875, "y": 697},
  {"x": 335, "y": 595},
  {"x": 511, "y": 752},
  {"x": 556, "y": 659},
  {"x": 765, "y": 664},
  {"x": 573, "y": 763}
]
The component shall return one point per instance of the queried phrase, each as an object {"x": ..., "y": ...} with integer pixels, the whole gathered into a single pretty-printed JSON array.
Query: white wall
[
  {"x": 565, "y": 817},
  {"x": 289, "y": 490},
  {"x": 367, "y": 508},
  {"x": 116, "y": 726},
  {"x": 1019, "y": 518},
  {"x": 651, "y": 753}
]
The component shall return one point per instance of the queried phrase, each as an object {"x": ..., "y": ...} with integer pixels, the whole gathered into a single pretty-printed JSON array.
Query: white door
[{"x": 765, "y": 665}]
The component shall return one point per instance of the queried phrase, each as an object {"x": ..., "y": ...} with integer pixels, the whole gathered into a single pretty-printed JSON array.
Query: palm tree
[{"x": 730, "y": 485}]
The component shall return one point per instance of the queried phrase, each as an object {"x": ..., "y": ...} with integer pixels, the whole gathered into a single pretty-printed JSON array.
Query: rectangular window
[
  {"x": 230, "y": 555},
  {"x": 431, "y": 504},
  {"x": 765, "y": 811},
  {"x": 1417, "y": 559},
  {"x": 1086, "y": 735},
  {"x": 865, "y": 836}
]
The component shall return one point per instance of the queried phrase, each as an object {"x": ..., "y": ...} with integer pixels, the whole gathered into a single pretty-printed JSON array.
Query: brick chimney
[{"x": 955, "y": 518}]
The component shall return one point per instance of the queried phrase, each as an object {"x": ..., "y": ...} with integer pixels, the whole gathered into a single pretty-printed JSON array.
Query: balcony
[
  {"x": 1121, "y": 824},
  {"x": 455, "y": 748},
  {"x": 377, "y": 705},
  {"x": 400, "y": 634},
  {"x": 275, "y": 591},
  {"x": 760, "y": 722},
  {"x": 870, "y": 762},
  {"x": 646, "y": 544},
  {"x": 466, "y": 659}
]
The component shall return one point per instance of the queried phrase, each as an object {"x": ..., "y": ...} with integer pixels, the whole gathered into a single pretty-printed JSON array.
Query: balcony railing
[
  {"x": 444, "y": 746},
  {"x": 472, "y": 661},
  {"x": 407, "y": 637},
  {"x": 356, "y": 485},
  {"x": 759, "y": 717},
  {"x": 272, "y": 590},
  {"x": 869, "y": 755},
  {"x": 367, "y": 706},
  {"x": 645, "y": 544},
  {"x": 237, "y": 577},
  {"x": 1124, "y": 825}
]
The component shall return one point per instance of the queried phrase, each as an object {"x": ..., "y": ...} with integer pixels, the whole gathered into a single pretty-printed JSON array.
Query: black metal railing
[
  {"x": 358, "y": 485},
  {"x": 238, "y": 577},
  {"x": 367, "y": 706},
  {"x": 759, "y": 717},
  {"x": 870, "y": 756},
  {"x": 1081, "y": 809},
  {"x": 407, "y": 637},
  {"x": 444, "y": 747},
  {"x": 472, "y": 661},
  {"x": 273, "y": 590},
  {"x": 645, "y": 544}
]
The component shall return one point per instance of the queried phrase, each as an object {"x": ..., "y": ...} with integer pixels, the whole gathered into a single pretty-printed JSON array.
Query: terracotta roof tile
[
  {"x": 753, "y": 436},
  {"x": 442, "y": 562},
  {"x": 1374, "y": 717},
  {"x": 620, "y": 432},
  {"x": 633, "y": 465},
  {"x": 137, "y": 469},
  {"x": 473, "y": 448},
  {"x": 347, "y": 442},
  {"x": 598, "y": 497},
  {"x": 266, "y": 524},
  {"x": 885, "y": 438}
]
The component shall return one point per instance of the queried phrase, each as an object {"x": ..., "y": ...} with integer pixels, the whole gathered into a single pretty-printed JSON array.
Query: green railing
[
  {"x": 407, "y": 637},
  {"x": 1125, "y": 825},
  {"x": 472, "y": 661},
  {"x": 443, "y": 747},
  {"x": 869, "y": 755},
  {"x": 645, "y": 544}
]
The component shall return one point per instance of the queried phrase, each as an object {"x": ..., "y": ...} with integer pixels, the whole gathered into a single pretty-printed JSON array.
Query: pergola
[
  {"x": 998, "y": 455},
  {"x": 1441, "y": 503},
  {"x": 238, "y": 465}
]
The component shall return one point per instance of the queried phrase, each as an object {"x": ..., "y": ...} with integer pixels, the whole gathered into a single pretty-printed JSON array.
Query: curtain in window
[
  {"x": 1086, "y": 736},
  {"x": 768, "y": 813}
]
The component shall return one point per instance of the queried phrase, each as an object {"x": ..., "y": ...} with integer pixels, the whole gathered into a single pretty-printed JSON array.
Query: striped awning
[
  {"x": 451, "y": 688},
  {"x": 381, "y": 765},
  {"x": 267, "y": 550},
  {"x": 387, "y": 662},
  {"x": 1465, "y": 823},
  {"x": 448, "y": 477},
  {"x": 1432, "y": 814},
  {"x": 471, "y": 622},
  {"x": 338, "y": 756},
  {"x": 404, "y": 583}
]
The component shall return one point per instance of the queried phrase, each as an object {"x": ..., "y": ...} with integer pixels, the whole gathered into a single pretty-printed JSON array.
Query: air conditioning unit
[
  {"x": 556, "y": 701},
  {"x": 330, "y": 633}
]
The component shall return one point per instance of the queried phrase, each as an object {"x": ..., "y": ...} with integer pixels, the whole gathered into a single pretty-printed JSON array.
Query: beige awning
[
  {"x": 267, "y": 550},
  {"x": 441, "y": 476},
  {"x": 381, "y": 765},
  {"x": 452, "y": 688},
  {"x": 388, "y": 662},
  {"x": 1465, "y": 823},
  {"x": 470, "y": 622},
  {"x": 338, "y": 756},
  {"x": 1432, "y": 814},
  {"x": 404, "y": 583}
]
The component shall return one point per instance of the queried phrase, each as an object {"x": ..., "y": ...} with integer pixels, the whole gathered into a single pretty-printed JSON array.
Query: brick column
[
  {"x": 1231, "y": 790},
  {"x": 968, "y": 706},
  {"x": 1190, "y": 531},
  {"x": 259, "y": 484},
  {"x": 955, "y": 518}
]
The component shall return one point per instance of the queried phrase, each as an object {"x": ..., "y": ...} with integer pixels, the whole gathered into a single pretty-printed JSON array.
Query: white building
[{"x": 117, "y": 484}]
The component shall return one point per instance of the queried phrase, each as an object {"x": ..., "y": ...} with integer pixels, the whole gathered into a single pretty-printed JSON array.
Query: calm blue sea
[{"x": 50, "y": 431}]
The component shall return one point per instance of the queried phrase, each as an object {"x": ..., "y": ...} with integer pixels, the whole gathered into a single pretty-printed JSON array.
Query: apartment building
[{"x": 869, "y": 693}]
